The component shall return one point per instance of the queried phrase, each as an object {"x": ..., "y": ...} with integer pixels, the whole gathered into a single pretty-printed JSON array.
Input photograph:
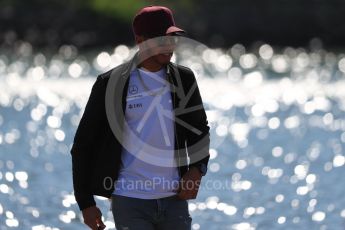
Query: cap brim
[{"x": 175, "y": 30}]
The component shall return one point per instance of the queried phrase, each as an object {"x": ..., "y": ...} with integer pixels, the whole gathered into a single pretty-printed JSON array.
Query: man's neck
[{"x": 149, "y": 65}]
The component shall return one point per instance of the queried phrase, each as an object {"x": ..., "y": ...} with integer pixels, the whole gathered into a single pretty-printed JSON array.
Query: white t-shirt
[{"x": 148, "y": 168}]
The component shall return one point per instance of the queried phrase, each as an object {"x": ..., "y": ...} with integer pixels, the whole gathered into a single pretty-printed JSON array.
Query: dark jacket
[{"x": 96, "y": 151}]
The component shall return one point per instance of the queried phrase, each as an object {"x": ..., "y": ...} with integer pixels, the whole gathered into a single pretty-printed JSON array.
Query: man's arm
[
  {"x": 197, "y": 142},
  {"x": 83, "y": 152},
  {"x": 85, "y": 143}
]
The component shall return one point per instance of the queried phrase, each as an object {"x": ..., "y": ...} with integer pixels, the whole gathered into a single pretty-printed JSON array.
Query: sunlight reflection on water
[{"x": 277, "y": 127}]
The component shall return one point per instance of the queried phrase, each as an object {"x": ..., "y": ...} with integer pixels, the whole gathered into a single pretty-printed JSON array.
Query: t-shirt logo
[
  {"x": 135, "y": 105},
  {"x": 133, "y": 89}
]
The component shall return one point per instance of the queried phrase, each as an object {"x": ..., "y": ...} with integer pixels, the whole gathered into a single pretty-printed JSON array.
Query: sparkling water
[{"x": 277, "y": 136}]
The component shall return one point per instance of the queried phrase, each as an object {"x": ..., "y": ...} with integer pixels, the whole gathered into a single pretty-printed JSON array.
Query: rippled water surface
[{"x": 277, "y": 136}]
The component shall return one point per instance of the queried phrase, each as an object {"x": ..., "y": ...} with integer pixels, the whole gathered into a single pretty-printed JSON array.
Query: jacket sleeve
[
  {"x": 198, "y": 139},
  {"x": 85, "y": 142}
]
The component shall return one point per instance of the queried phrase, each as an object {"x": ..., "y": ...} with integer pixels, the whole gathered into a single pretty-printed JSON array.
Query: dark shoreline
[{"x": 279, "y": 23}]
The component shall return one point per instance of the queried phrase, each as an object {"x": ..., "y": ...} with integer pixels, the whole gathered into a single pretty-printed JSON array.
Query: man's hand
[
  {"x": 93, "y": 218},
  {"x": 189, "y": 184}
]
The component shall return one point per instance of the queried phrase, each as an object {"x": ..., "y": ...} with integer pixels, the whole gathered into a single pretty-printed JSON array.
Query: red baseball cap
[{"x": 155, "y": 21}]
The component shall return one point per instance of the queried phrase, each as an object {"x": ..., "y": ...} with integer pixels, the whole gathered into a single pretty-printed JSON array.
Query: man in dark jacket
[{"x": 144, "y": 128}]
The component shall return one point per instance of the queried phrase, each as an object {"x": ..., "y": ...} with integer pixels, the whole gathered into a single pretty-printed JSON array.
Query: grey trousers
[{"x": 169, "y": 213}]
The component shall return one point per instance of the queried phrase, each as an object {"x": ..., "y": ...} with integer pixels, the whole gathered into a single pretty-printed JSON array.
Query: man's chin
[{"x": 164, "y": 57}]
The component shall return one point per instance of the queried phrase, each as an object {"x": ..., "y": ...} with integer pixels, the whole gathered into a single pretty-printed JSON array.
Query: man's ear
[{"x": 139, "y": 39}]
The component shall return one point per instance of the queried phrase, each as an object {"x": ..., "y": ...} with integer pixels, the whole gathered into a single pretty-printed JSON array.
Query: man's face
[{"x": 159, "y": 49}]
